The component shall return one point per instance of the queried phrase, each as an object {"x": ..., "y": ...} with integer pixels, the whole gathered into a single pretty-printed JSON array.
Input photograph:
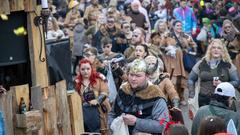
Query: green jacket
[{"x": 216, "y": 109}]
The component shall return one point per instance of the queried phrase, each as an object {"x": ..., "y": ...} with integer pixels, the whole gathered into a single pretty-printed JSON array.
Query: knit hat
[{"x": 225, "y": 89}]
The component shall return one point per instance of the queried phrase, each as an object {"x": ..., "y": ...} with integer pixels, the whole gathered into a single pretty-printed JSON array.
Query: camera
[{"x": 89, "y": 95}]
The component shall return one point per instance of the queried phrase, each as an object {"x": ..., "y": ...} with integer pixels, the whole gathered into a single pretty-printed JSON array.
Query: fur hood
[{"x": 152, "y": 91}]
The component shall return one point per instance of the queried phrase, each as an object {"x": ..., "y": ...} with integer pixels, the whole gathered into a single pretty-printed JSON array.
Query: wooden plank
[
  {"x": 4, "y": 7},
  {"x": 36, "y": 97},
  {"x": 17, "y": 93},
  {"x": 37, "y": 103},
  {"x": 76, "y": 115},
  {"x": 30, "y": 121},
  {"x": 63, "y": 115},
  {"x": 6, "y": 108},
  {"x": 30, "y": 5},
  {"x": 16, "y": 5},
  {"x": 39, "y": 72},
  {"x": 49, "y": 111}
]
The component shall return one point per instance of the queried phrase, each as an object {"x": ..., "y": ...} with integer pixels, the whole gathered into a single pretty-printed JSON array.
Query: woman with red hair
[{"x": 94, "y": 92}]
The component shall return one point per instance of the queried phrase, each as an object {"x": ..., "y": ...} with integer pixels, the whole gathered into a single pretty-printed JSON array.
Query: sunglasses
[{"x": 126, "y": 27}]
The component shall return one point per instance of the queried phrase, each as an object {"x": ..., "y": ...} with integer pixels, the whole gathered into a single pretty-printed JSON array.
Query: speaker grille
[{"x": 13, "y": 48}]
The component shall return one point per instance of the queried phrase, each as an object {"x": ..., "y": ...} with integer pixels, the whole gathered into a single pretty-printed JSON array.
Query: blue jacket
[{"x": 187, "y": 17}]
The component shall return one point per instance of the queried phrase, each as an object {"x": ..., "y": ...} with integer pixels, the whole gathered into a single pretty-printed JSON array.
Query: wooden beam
[
  {"x": 36, "y": 97},
  {"x": 49, "y": 111},
  {"x": 30, "y": 5},
  {"x": 4, "y": 7},
  {"x": 36, "y": 44},
  {"x": 18, "y": 92},
  {"x": 76, "y": 114},
  {"x": 16, "y": 5},
  {"x": 29, "y": 121},
  {"x": 63, "y": 115},
  {"x": 6, "y": 108},
  {"x": 37, "y": 103}
]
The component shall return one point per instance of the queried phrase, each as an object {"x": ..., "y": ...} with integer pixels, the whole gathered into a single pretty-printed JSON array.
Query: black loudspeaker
[
  {"x": 13, "y": 48},
  {"x": 59, "y": 61}
]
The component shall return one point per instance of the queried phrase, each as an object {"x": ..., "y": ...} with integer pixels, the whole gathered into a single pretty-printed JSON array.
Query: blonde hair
[
  {"x": 156, "y": 26},
  {"x": 225, "y": 55}
]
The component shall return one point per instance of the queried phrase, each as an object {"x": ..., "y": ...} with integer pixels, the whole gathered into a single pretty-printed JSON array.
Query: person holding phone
[{"x": 215, "y": 67}]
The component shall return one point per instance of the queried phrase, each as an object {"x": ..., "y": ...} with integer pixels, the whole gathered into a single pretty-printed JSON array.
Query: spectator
[
  {"x": 219, "y": 106},
  {"x": 124, "y": 37},
  {"x": 107, "y": 57},
  {"x": 138, "y": 18},
  {"x": 107, "y": 53},
  {"x": 79, "y": 39},
  {"x": 186, "y": 43},
  {"x": 91, "y": 55},
  {"x": 138, "y": 38},
  {"x": 53, "y": 31},
  {"x": 158, "y": 77},
  {"x": 83, "y": 4},
  {"x": 162, "y": 13},
  {"x": 72, "y": 17},
  {"x": 141, "y": 51},
  {"x": 141, "y": 101},
  {"x": 94, "y": 8},
  {"x": 211, "y": 125},
  {"x": 186, "y": 15},
  {"x": 93, "y": 91},
  {"x": 161, "y": 32},
  {"x": 214, "y": 68},
  {"x": 231, "y": 40}
]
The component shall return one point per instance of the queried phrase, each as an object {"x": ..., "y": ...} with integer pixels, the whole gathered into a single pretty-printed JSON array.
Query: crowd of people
[{"x": 133, "y": 60}]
